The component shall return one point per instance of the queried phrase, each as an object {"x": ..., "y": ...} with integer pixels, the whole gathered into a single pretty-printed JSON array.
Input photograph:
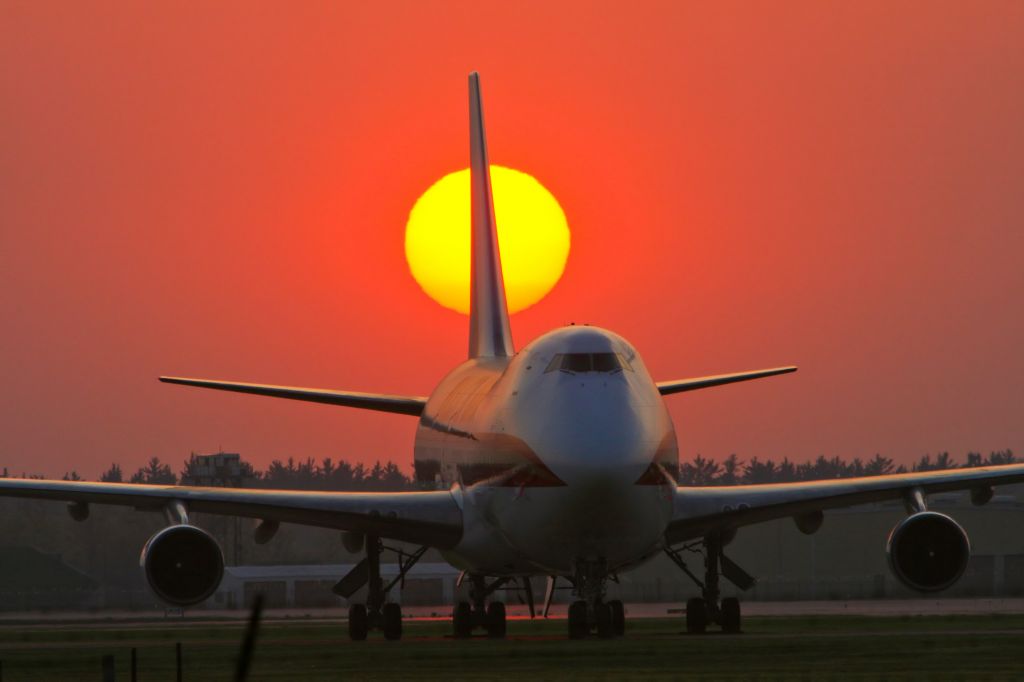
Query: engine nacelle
[
  {"x": 183, "y": 564},
  {"x": 928, "y": 551}
]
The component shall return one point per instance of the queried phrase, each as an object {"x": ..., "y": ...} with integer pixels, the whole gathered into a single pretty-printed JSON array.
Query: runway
[
  {"x": 880, "y": 607},
  {"x": 983, "y": 644}
]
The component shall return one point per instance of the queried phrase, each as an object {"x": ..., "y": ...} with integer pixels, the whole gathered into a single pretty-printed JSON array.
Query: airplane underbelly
[{"x": 550, "y": 529}]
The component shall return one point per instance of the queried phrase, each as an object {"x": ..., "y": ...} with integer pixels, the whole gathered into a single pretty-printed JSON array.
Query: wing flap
[
  {"x": 428, "y": 518},
  {"x": 411, "y": 405},
  {"x": 680, "y": 385},
  {"x": 702, "y": 510}
]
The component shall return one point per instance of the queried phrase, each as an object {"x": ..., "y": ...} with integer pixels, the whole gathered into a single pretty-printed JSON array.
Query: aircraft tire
[
  {"x": 496, "y": 622},
  {"x": 603, "y": 616},
  {"x": 358, "y": 625},
  {"x": 392, "y": 618},
  {"x": 462, "y": 620},
  {"x": 618, "y": 617},
  {"x": 696, "y": 616},
  {"x": 578, "y": 626},
  {"x": 731, "y": 614}
]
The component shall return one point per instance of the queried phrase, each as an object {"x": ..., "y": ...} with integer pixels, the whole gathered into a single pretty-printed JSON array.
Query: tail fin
[{"x": 489, "y": 331}]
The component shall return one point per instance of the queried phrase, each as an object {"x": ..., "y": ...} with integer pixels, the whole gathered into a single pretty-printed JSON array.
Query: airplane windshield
[{"x": 588, "y": 362}]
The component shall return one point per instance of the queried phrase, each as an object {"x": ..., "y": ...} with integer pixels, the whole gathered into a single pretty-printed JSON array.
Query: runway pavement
[{"x": 893, "y": 607}]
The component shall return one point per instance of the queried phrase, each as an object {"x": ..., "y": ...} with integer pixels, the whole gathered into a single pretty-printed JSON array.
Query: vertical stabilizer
[{"x": 489, "y": 331}]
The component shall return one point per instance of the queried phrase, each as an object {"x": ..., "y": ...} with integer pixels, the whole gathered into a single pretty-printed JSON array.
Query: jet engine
[
  {"x": 928, "y": 551},
  {"x": 183, "y": 564}
]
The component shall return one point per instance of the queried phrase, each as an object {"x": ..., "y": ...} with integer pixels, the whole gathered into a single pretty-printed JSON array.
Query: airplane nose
[{"x": 598, "y": 438}]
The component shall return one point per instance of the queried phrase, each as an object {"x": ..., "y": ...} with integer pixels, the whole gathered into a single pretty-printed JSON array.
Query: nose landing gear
[
  {"x": 700, "y": 611},
  {"x": 468, "y": 616},
  {"x": 591, "y": 613}
]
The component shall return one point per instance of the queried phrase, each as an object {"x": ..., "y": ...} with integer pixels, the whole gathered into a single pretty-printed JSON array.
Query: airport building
[
  {"x": 33, "y": 580},
  {"x": 309, "y": 586}
]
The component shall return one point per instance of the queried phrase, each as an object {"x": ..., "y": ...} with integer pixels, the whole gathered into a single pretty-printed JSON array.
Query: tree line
[
  {"x": 292, "y": 474},
  {"x": 307, "y": 474},
  {"x": 734, "y": 471},
  {"x": 327, "y": 474}
]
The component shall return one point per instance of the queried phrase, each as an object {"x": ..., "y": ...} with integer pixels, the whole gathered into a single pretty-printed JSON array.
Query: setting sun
[{"x": 533, "y": 236}]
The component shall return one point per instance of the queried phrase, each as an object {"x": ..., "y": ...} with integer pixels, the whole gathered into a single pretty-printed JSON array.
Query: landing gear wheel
[
  {"x": 731, "y": 614},
  {"x": 392, "y": 617},
  {"x": 496, "y": 620},
  {"x": 618, "y": 617},
  {"x": 358, "y": 625},
  {"x": 603, "y": 616},
  {"x": 696, "y": 616},
  {"x": 578, "y": 626},
  {"x": 462, "y": 620}
]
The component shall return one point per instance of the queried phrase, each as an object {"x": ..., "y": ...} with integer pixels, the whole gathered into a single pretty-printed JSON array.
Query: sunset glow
[
  {"x": 223, "y": 192},
  {"x": 532, "y": 232}
]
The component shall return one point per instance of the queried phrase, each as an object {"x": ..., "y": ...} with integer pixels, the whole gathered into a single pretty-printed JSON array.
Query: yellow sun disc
[{"x": 533, "y": 237}]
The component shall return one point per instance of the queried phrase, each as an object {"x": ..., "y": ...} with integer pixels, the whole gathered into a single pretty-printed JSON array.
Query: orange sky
[{"x": 221, "y": 191}]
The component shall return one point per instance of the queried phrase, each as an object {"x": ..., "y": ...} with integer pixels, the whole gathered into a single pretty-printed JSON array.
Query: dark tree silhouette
[
  {"x": 113, "y": 474},
  {"x": 786, "y": 471},
  {"x": 1001, "y": 457},
  {"x": 700, "y": 472},
  {"x": 155, "y": 472},
  {"x": 329, "y": 474},
  {"x": 732, "y": 470},
  {"x": 941, "y": 461},
  {"x": 879, "y": 466},
  {"x": 944, "y": 461}
]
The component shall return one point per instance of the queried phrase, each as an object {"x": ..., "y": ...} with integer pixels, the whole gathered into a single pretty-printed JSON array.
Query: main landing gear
[
  {"x": 377, "y": 612},
  {"x": 700, "y": 611},
  {"x": 591, "y": 613},
  {"x": 476, "y": 613}
]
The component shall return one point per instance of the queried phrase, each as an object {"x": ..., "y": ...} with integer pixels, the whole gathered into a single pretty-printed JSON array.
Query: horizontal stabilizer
[
  {"x": 669, "y": 387},
  {"x": 368, "y": 401}
]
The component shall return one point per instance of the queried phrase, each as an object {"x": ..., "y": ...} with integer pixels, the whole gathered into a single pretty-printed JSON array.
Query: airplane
[{"x": 558, "y": 460}]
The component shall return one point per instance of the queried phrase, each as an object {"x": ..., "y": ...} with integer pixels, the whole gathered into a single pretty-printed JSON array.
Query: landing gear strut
[
  {"x": 377, "y": 612},
  {"x": 469, "y": 615},
  {"x": 708, "y": 608},
  {"x": 591, "y": 612}
]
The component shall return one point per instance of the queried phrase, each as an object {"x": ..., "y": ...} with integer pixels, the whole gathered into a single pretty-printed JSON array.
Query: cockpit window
[
  {"x": 605, "y": 362},
  {"x": 588, "y": 362}
]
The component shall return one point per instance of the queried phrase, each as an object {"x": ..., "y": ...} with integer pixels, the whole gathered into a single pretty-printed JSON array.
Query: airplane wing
[
  {"x": 680, "y": 385},
  {"x": 425, "y": 518},
  {"x": 412, "y": 405},
  {"x": 699, "y": 511}
]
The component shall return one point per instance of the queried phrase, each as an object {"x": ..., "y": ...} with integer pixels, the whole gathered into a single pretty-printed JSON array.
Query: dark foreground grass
[{"x": 783, "y": 648}]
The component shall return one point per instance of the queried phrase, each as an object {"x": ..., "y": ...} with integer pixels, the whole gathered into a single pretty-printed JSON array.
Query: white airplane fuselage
[{"x": 563, "y": 453}]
